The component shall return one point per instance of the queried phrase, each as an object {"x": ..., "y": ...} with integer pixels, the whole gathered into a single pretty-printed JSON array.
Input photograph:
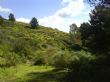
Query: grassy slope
[
  {"x": 27, "y": 73},
  {"x": 19, "y": 41},
  {"x": 21, "y": 44}
]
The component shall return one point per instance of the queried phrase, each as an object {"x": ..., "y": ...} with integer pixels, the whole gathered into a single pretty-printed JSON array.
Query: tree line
[
  {"x": 95, "y": 38},
  {"x": 11, "y": 17}
]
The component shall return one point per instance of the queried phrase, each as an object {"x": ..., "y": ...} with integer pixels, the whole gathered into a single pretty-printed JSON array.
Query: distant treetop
[
  {"x": 101, "y": 2},
  {"x": 11, "y": 17},
  {"x": 34, "y": 22}
]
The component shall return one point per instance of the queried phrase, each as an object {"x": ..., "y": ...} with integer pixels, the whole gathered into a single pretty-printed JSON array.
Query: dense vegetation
[
  {"x": 28, "y": 45},
  {"x": 33, "y": 53},
  {"x": 95, "y": 37},
  {"x": 19, "y": 43}
]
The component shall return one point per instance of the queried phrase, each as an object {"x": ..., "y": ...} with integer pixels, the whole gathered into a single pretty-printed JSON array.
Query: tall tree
[
  {"x": 73, "y": 30},
  {"x": 11, "y": 17},
  {"x": 74, "y": 34},
  {"x": 100, "y": 18},
  {"x": 85, "y": 31},
  {"x": 34, "y": 22},
  {"x": 99, "y": 38}
]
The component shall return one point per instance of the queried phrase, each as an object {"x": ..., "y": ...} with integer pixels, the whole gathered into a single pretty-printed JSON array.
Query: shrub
[
  {"x": 88, "y": 68},
  {"x": 9, "y": 59},
  {"x": 62, "y": 59}
]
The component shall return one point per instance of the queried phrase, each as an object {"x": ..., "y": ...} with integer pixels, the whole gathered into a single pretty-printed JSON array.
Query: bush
[
  {"x": 87, "y": 68},
  {"x": 12, "y": 59},
  {"x": 9, "y": 59},
  {"x": 62, "y": 59},
  {"x": 39, "y": 58}
]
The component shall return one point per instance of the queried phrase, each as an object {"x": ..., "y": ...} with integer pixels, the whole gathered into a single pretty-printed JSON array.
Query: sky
[{"x": 58, "y": 14}]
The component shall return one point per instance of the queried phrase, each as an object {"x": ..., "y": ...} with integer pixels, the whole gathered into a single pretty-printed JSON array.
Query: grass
[{"x": 27, "y": 73}]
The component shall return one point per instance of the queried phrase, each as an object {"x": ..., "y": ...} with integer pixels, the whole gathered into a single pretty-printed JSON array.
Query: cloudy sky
[{"x": 58, "y": 14}]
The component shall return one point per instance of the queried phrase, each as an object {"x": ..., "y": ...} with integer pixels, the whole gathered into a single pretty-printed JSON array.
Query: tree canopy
[
  {"x": 11, "y": 17},
  {"x": 96, "y": 36},
  {"x": 1, "y": 20},
  {"x": 34, "y": 22}
]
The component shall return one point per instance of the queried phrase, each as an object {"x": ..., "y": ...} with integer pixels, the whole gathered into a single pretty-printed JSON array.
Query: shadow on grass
[{"x": 49, "y": 76}]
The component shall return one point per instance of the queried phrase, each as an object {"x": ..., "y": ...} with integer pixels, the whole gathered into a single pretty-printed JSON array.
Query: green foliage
[
  {"x": 62, "y": 59},
  {"x": 99, "y": 2},
  {"x": 8, "y": 58},
  {"x": 57, "y": 58},
  {"x": 75, "y": 37},
  {"x": 34, "y": 22},
  {"x": 1, "y": 20},
  {"x": 93, "y": 67},
  {"x": 100, "y": 29},
  {"x": 96, "y": 35},
  {"x": 81, "y": 67},
  {"x": 25, "y": 73},
  {"x": 11, "y": 17},
  {"x": 12, "y": 59},
  {"x": 73, "y": 31},
  {"x": 32, "y": 46},
  {"x": 85, "y": 30},
  {"x": 88, "y": 68}
]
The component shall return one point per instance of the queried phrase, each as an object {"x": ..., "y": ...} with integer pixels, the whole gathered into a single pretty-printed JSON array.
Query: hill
[{"x": 19, "y": 43}]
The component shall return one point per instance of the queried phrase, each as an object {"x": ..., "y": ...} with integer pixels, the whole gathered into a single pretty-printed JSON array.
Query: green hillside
[
  {"x": 34, "y": 53},
  {"x": 19, "y": 43}
]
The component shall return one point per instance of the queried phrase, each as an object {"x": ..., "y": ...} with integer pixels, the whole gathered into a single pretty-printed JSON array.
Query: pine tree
[
  {"x": 98, "y": 40},
  {"x": 85, "y": 30},
  {"x": 34, "y": 22},
  {"x": 11, "y": 17},
  {"x": 99, "y": 2}
]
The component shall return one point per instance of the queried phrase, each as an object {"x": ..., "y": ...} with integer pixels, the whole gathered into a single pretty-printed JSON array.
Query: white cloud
[
  {"x": 5, "y": 9},
  {"x": 65, "y": 1},
  {"x": 65, "y": 16},
  {"x": 72, "y": 8},
  {"x": 51, "y": 21},
  {"x": 23, "y": 20}
]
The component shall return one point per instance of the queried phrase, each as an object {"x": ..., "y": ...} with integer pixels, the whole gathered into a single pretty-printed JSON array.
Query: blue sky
[{"x": 58, "y": 14}]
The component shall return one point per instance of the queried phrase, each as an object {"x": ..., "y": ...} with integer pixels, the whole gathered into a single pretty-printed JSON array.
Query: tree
[
  {"x": 75, "y": 37},
  {"x": 34, "y": 22},
  {"x": 1, "y": 20},
  {"x": 100, "y": 18},
  {"x": 101, "y": 2},
  {"x": 73, "y": 31},
  {"x": 99, "y": 36},
  {"x": 96, "y": 38},
  {"x": 11, "y": 17},
  {"x": 85, "y": 31}
]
